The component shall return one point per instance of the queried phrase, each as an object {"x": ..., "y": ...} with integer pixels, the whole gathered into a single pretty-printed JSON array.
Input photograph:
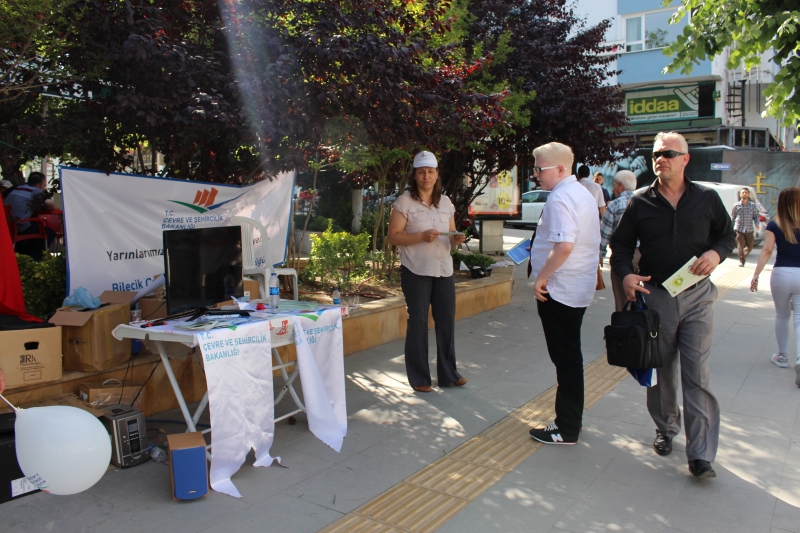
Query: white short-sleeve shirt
[
  {"x": 595, "y": 189},
  {"x": 426, "y": 258},
  {"x": 569, "y": 215}
]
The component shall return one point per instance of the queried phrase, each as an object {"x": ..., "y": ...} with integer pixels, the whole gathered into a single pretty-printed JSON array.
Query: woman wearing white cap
[{"x": 418, "y": 218}]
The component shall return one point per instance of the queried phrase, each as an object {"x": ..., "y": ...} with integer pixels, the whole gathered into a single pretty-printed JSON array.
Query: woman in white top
[{"x": 426, "y": 274}]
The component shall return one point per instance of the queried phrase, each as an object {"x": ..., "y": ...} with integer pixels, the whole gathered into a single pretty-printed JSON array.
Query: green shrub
[
  {"x": 337, "y": 258},
  {"x": 472, "y": 260},
  {"x": 44, "y": 284},
  {"x": 321, "y": 224}
]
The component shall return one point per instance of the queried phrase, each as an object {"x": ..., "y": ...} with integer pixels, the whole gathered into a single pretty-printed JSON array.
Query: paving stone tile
[
  {"x": 709, "y": 506},
  {"x": 639, "y": 466},
  {"x": 278, "y": 513},
  {"x": 64, "y": 514},
  {"x": 351, "y": 483},
  {"x": 762, "y": 405},
  {"x": 507, "y": 507},
  {"x": 787, "y": 507},
  {"x": 607, "y": 506}
]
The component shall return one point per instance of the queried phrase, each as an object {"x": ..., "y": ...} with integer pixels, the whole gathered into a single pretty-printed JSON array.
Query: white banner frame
[{"x": 113, "y": 224}]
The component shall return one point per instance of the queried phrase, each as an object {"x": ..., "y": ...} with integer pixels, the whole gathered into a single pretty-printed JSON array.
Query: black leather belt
[{"x": 689, "y": 288}]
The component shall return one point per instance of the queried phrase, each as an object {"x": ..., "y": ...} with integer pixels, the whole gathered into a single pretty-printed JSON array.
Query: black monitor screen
[{"x": 202, "y": 267}]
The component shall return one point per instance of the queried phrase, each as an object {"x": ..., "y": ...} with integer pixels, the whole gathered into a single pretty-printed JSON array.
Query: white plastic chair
[{"x": 248, "y": 258}]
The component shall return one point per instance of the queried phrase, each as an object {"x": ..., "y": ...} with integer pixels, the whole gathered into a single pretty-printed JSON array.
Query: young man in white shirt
[
  {"x": 595, "y": 190},
  {"x": 564, "y": 267}
]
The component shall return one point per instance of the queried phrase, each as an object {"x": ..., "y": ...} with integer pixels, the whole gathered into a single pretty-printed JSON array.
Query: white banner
[
  {"x": 238, "y": 368},
  {"x": 320, "y": 354},
  {"x": 114, "y": 223}
]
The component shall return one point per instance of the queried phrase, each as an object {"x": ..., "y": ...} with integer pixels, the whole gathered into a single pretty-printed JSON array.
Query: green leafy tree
[{"x": 750, "y": 28}]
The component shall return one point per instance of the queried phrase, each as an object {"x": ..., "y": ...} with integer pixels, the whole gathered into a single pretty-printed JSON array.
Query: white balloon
[{"x": 62, "y": 450}]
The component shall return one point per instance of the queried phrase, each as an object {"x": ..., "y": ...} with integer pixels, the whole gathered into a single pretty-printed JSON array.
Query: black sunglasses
[{"x": 669, "y": 154}]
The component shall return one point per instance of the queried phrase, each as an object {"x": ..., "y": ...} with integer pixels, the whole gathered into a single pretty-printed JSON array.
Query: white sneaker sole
[
  {"x": 560, "y": 443},
  {"x": 778, "y": 363}
]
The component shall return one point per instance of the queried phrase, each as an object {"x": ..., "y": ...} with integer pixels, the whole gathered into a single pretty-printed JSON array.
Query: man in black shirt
[{"x": 676, "y": 220}]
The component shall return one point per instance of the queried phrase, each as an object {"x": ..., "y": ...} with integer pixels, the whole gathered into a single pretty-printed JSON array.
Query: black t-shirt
[{"x": 788, "y": 253}]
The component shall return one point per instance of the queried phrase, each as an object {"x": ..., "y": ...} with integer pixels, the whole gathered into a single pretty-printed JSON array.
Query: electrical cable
[
  {"x": 122, "y": 388},
  {"x": 183, "y": 422},
  {"x": 145, "y": 382}
]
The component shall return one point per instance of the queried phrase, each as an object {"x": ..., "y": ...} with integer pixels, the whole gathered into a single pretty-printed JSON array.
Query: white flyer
[{"x": 682, "y": 279}]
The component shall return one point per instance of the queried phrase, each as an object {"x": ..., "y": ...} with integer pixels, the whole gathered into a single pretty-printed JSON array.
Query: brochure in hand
[
  {"x": 519, "y": 252},
  {"x": 682, "y": 279}
]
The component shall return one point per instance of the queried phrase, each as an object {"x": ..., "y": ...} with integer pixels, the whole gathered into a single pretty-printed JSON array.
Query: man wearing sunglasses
[{"x": 675, "y": 221}]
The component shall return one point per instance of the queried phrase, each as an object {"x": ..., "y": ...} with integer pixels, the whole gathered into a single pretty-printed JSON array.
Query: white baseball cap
[
  {"x": 7, "y": 184},
  {"x": 425, "y": 159}
]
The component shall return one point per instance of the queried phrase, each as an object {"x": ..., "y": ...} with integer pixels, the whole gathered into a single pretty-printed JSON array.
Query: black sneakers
[
  {"x": 663, "y": 444},
  {"x": 552, "y": 435},
  {"x": 700, "y": 468}
]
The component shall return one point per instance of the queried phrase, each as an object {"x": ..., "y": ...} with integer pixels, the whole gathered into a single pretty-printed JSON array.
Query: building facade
[{"x": 713, "y": 105}]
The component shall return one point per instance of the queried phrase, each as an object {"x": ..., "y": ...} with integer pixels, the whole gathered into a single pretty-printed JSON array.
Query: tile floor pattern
[
  {"x": 407, "y": 447},
  {"x": 429, "y": 498}
]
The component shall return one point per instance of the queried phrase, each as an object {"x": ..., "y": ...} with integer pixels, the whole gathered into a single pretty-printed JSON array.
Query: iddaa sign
[{"x": 662, "y": 104}]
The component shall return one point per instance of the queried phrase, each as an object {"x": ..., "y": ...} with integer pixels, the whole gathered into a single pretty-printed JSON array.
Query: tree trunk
[{"x": 357, "y": 199}]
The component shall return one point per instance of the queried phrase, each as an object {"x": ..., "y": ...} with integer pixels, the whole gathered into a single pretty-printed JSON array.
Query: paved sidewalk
[{"x": 611, "y": 481}]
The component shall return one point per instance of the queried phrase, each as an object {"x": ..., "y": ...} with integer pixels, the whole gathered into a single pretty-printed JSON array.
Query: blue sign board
[{"x": 720, "y": 166}]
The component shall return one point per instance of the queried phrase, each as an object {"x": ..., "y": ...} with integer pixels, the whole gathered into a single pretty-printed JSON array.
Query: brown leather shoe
[
  {"x": 423, "y": 388},
  {"x": 461, "y": 382}
]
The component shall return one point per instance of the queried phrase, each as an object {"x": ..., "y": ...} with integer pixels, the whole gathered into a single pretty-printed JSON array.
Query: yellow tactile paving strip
[{"x": 426, "y": 500}]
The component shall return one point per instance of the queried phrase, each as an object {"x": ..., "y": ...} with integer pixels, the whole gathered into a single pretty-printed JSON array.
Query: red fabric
[{"x": 11, "y": 300}]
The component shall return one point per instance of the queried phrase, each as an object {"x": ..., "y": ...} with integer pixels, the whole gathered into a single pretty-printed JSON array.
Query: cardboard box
[
  {"x": 253, "y": 287},
  {"x": 87, "y": 343},
  {"x": 111, "y": 392},
  {"x": 30, "y": 356},
  {"x": 153, "y": 307},
  {"x": 188, "y": 467},
  {"x": 68, "y": 400}
]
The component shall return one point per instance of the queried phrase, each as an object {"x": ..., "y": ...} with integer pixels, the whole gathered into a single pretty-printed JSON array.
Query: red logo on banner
[{"x": 284, "y": 328}]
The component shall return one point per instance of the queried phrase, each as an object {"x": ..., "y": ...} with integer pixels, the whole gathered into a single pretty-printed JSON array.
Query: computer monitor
[{"x": 202, "y": 267}]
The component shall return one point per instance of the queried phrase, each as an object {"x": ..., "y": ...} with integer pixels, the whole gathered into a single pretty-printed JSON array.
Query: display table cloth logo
[
  {"x": 114, "y": 223},
  {"x": 238, "y": 368},
  {"x": 320, "y": 354}
]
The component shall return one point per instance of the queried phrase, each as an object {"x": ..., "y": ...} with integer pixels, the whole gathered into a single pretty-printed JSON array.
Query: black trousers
[
  {"x": 562, "y": 332},
  {"x": 439, "y": 294}
]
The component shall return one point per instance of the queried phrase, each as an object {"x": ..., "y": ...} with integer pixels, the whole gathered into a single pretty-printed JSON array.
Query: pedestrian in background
[
  {"x": 595, "y": 190},
  {"x": 624, "y": 185},
  {"x": 674, "y": 221},
  {"x": 744, "y": 216},
  {"x": 785, "y": 280},
  {"x": 600, "y": 179},
  {"x": 564, "y": 266}
]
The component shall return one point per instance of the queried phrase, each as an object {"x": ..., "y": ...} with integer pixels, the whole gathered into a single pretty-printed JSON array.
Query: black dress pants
[
  {"x": 562, "y": 332},
  {"x": 439, "y": 294}
]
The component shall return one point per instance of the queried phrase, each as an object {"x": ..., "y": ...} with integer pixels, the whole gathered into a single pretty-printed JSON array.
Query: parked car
[{"x": 532, "y": 205}]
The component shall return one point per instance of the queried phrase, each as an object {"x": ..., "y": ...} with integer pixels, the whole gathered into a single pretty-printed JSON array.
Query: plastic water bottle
[
  {"x": 157, "y": 454},
  {"x": 337, "y": 296},
  {"x": 274, "y": 292},
  {"x": 228, "y": 283}
]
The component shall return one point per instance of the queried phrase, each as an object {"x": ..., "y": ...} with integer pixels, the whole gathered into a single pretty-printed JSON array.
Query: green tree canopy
[{"x": 750, "y": 28}]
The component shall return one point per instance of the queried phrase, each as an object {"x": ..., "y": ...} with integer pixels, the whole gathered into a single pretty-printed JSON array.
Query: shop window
[{"x": 652, "y": 30}]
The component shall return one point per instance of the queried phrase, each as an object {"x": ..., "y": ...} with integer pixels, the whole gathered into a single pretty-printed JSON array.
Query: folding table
[{"x": 281, "y": 330}]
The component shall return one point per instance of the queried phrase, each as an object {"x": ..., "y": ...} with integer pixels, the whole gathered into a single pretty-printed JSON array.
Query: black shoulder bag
[{"x": 632, "y": 337}]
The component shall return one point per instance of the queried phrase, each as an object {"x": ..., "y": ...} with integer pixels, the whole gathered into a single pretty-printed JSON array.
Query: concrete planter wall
[
  {"x": 305, "y": 246},
  {"x": 373, "y": 324}
]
